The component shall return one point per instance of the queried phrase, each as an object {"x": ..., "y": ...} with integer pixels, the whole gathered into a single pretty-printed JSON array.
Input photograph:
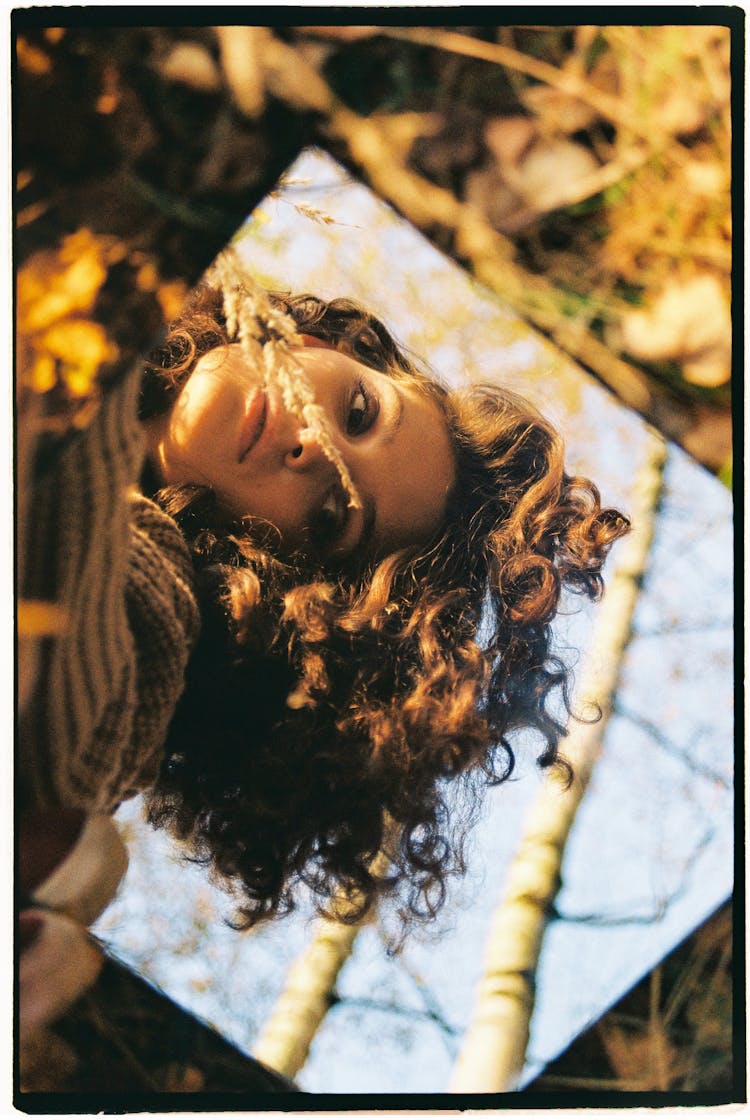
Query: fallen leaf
[
  {"x": 688, "y": 322},
  {"x": 486, "y": 190},
  {"x": 171, "y": 297},
  {"x": 679, "y": 114},
  {"x": 191, "y": 64},
  {"x": 346, "y": 34},
  {"x": 52, "y": 285},
  {"x": 294, "y": 80},
  {"x": 241, "y": 50},
  {"x": 81, "y": 346},
  {"x": 546, "y": 173},
  {"x": 508, "y": 138},
  {"x": 183, "y": 1079},
  {"x": 646, "y": 1058},
  {"x": 558, "y": 111},
  {"x": 31, "y": 58},
  {"x": 706, "y": 177}
]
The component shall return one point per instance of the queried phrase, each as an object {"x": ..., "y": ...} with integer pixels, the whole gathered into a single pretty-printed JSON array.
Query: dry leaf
[
  {"x": 291, "y": 78},
  {"x": 191, "y": 64},
  {"x": 491, "y": 195},
  {"x": 404, "y": 129},
  {"x": 545, "y": 175},
  {"x": 81, "y": 346},
  {"x": 689, "y": 322},
  {"x": 508, "y": 138},
  {"x": 679, "y": 114},
  {"x": 254, "y": 60},
  {"x": 31, "y": 58},
  {"x": 241, "y": 60},
  {"x": 558, "y": 111},
  {"x": 706, "y": 177},
  {"x": 346, "y": 34},
  {"x": 183, "y": 1079},
  {"x": 52, "y": 285},
  {"x": 171, "y": 296}
]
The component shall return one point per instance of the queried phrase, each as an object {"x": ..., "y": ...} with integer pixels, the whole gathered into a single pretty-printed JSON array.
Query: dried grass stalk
[{"x": 267, "y": 335}]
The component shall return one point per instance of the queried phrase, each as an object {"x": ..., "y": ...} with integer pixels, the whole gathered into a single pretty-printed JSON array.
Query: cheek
[{"x": 271, "y": 500}]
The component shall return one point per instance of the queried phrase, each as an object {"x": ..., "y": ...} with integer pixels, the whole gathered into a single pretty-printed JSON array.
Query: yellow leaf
[
  {"x": 53, "y": 285},
  {"x": 171, "y": 296},
  {"x": 31, "y": 58},
  {"x": 81, "y": 243},
  {"x": 43, "y": 375},
  {"x": 147, "y": 277},
  {"x": 82, "y": 346}
]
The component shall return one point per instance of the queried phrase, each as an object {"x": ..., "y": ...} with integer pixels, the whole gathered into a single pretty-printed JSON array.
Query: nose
[{"x": 305, "y": 453}]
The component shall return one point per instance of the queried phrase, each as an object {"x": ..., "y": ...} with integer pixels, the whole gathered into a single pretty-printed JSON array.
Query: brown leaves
[
  {"x": 191, "y": 64},
  {"x": 32, "y": 58},
  {"x": 256, "y": 63},
  {"x": 688, "y": 322}
]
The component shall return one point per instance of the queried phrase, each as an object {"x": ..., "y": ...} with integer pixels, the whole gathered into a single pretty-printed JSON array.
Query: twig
[
  {"x": 570, "y": 83},
  {"x": 395, "y": 1009},
  {"x": 432, "y": 1007},
  {"x": 669, "y": 747},
  {"x": 605, "y": 921}
]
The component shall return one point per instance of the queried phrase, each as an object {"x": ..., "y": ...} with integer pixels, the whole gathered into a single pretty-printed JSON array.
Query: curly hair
[{"x": 324, "y": 709}]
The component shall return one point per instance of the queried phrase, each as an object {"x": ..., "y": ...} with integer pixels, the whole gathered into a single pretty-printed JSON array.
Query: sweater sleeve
[{"x": 80, "y": 742}]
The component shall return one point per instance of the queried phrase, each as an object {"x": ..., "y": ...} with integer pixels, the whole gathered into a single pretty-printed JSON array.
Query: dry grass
[{"x": 672, "y": 1032}]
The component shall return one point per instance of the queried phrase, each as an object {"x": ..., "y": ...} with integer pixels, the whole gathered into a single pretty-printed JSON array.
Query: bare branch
[{"x": 670, "y": 747}]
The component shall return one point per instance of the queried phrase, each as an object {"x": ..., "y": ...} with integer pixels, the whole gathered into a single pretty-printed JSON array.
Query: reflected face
[{"x": 225, "y": 431}]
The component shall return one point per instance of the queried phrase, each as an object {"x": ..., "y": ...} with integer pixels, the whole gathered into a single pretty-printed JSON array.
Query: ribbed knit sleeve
[{"x": 91, "y": 734}]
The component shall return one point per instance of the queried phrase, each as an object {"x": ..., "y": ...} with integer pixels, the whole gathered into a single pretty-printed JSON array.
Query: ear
[{"x": 311, "y": 340}]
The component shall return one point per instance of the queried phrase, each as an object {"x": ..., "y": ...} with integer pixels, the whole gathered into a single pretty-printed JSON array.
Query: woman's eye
[{"x": 362, "y": 411}]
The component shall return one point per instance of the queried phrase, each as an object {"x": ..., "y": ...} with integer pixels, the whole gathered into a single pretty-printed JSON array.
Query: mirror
[{"x": 650, "y": 854}]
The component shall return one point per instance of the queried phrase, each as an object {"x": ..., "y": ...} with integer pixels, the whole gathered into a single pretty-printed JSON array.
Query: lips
[{"x": 253, "y": 424}]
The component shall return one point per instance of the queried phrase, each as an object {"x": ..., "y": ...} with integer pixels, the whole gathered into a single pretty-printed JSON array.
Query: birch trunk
[
  {"x": 286, "y": 1038},
  {"x": 493, "y": 1050}
]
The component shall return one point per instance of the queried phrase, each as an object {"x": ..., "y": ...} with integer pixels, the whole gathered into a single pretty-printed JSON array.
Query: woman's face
[{"x": 227, "y": 432}]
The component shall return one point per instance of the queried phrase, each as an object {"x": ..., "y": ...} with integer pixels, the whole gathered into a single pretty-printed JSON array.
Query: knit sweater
[{"x": 106, "y": 688}]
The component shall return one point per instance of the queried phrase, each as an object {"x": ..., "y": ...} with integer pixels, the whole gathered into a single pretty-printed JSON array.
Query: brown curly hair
[{"x": 324, "y": 709}]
